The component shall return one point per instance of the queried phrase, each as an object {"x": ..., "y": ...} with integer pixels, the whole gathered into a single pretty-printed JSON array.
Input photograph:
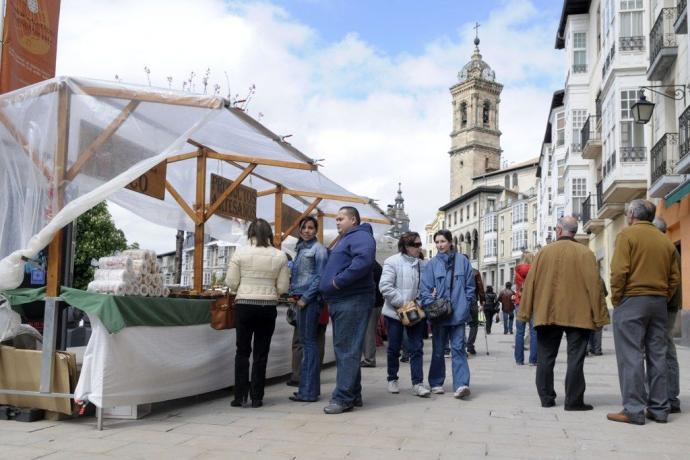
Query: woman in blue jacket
[
  {"x": 304, "y": 285},
  {"x": 437, "y": 284}
]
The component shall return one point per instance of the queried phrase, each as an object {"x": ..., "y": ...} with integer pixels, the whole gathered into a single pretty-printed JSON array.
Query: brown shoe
[{"x": 623, "y": 418}]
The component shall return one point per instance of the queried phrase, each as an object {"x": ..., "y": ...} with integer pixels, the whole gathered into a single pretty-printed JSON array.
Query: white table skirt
[{"x": 140, "y": 365}]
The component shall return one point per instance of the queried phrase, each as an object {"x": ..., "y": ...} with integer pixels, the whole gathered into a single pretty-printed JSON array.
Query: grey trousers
[
  {"x": 672, "y": 363},
  {"x": 369, "y": 348},
  {"x": 639, "y": 334}
]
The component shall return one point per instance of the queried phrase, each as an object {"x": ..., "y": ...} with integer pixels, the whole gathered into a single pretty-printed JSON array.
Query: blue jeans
[
  {"x": 415, "y": 347},
  {"x": 349, "y": 317},
  {"x": 308, "y": 328},
  {"x": 508, "y": 322},
  {"x": 437, "y": 370},
  {"x": 520, "y": 342}
]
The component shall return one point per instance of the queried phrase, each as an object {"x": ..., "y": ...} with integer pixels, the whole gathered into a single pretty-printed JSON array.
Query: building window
[
  {"x": 578, "y": 194},
  {"x": 490, "y": 248},
  {"x": 578, "y": 120},
  {"x": 463, "y": 114},
  {"x": 485, "y": 113},
  {"x": 632, "y": 37},
  {"x": 491, "y": 204},
  {"x": 560, "y": 128},
  {"x": 486, "y": 164},
  {"x": 502, "y": 248},
  {"x": 502, "y": 223},
  {"x": 561, "y": 179},
  {"x": 455, "y": 218},
  {"x": 474, "y": 209},
  {"x": 489, "y": 224},
  {"x": 534, "y": 212},
  {"x": 467, "y": 209},
  {"x": 519, "y": 213},
  {"x": 515, "y": 180},
  {"x": 632, "y": 134},
  {"x": 579, "y": 52},
  {"x": 507, "y": 181}
]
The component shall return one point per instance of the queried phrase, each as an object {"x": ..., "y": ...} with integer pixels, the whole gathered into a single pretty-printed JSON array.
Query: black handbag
[{"x": 441, "y": 309}]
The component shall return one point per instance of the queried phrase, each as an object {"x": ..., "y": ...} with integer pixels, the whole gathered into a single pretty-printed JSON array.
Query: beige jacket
[
  {"x": 564, "y": 288},
  {"x": 258, "y": 273}
]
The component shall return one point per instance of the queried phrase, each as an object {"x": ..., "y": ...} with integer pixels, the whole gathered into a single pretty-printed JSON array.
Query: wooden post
[
  {"x": 319, "y": 219},
  {"x": 278, "y": 231},
  {"x": 56, "y": 249},
  {"x": 200, "y": 207}
]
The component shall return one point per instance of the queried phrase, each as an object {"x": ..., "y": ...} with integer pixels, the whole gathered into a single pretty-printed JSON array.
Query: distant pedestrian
[
  {"x": 347, "y": 285},
  {"x": 521, "y": 271},
  {"x": 449, "y": 276},
  {"x": 644, "y": 277},
  {"x": 400, "y": 282},
  {"x": 507, "y": 297},
  {"x": 490, "y": 308},
  {"x": 474, "y": 311},
  {"x": 594, "y": 343},
  {"x": 369, "y": 348},
  {"x": 562, "y": 295},
  {"x": 671, "y": 355}
]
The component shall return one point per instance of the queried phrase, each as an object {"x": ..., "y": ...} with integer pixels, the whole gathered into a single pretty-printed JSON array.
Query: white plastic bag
[{"x": 10, "y": 321}]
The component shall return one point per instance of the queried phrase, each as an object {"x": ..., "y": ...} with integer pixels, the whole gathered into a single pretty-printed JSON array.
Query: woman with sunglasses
[
  {"x": 399, "y": 285},
  {"x": 449, "y": 275}
]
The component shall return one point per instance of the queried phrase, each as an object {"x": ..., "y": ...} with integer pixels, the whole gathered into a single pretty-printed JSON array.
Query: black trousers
[
  {"x": 489, "y": 315},
  {"x": 548, "y": 342},
  {"x": 255, "y": 322},
  {"x": 473, "y": 323}
]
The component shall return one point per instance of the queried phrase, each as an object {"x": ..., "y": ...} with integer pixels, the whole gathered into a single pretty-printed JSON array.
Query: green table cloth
[{"x": 119, "y": 312}]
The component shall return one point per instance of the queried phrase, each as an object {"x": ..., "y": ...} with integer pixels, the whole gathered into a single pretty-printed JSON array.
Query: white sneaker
[
  {"x": 393, "y": 387},
  {"x": 462, "y": 392},
  {"x": 420, "y": 390},
  {"x": 437, "y": 390}
]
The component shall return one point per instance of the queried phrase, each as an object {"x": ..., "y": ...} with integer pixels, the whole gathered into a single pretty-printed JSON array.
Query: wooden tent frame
[{"x": 199, "y": 212}]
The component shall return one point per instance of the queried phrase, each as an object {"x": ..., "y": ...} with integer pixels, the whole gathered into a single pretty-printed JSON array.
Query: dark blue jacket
[
  {"x": 350, "y": 264},
  {"x": 436, "y": 275}
]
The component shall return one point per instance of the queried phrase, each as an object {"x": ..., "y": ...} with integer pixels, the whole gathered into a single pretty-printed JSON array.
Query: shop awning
[{"x": 678, "y": 194}]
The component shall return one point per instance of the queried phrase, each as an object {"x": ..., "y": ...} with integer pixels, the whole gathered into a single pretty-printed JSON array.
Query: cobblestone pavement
[{"x": 501, "y": 419}]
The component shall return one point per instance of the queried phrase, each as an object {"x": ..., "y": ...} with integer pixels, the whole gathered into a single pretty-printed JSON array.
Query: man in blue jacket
[{"x": 347, "y": 285}]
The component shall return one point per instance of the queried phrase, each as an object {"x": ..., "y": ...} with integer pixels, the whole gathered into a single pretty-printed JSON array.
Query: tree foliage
[{"x": 97, "y": 236}]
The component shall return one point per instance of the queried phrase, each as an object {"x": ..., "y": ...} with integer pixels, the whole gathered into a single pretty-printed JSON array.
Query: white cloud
[{"x": 377, "y": 119}]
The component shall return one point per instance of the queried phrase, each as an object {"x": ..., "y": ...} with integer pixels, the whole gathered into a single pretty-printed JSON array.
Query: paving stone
[{"x": 21, "y": 452}]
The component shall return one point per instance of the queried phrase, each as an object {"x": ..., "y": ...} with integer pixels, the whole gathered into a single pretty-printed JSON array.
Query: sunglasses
[{"x": 415, "y": 245}]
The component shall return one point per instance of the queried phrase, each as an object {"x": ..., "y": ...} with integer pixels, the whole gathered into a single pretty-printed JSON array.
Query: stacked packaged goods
[{"x": 132, "y": 272}]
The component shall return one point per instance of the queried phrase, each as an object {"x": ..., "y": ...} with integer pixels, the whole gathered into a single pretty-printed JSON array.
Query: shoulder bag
[
  {"x": 223, "y": 313},
  {"x": 411, "y": 312},
  {"x": 440, "y": 309}
]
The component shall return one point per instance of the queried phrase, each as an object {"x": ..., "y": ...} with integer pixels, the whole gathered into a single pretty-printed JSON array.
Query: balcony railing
[
  {"x": 579, "y": 68},
  {"x": 589, "y": 209},
  {"x": 590, "y": 131},
  {"x": 663, "y": 34},
  {"x": 684, "y": 133},
  {"x": 632, "y": 43},
  {"x": 633, "y": 154},
  {"x": 664, "y": 156}
]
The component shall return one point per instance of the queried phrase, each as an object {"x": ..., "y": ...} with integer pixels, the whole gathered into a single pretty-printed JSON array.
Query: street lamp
[{"x": 642, "y": 109}]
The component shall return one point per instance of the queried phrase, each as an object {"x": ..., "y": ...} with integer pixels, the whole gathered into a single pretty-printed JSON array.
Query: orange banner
[{"x": 29, "y": 43}]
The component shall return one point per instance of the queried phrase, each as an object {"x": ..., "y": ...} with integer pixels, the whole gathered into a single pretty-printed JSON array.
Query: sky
[{"x": 362, "y": 84}]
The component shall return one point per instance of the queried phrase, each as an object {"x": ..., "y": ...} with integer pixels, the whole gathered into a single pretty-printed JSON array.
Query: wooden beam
[
  {"x": 278, "y": 231},
  {"x": 231, "y": 188},
  {"x": 183, "y": 156},
  {"x": 328, "y": 196},
  {"x": 270, "y": 191},
  {"x": 262, "y": 161},
  {"x": 304, "y": 214},
  {"x": 24, "y": 144},
  {"x": 364, "y": 219},
  {"x": 100, "y": 140},
  {"x": 319, "y": 219},
  {"x": 29, "y": 93},
  {"x": 200, "y": 206},
  {"x": 56, "y": 249},
  {"x": 183, "y": 204},
  {"x": 334, "y": 242},
  {"x": 150, "y": 96}
]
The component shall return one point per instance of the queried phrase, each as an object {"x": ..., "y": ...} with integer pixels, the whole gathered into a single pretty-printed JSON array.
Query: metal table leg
[{"x": 99, "y": 417}]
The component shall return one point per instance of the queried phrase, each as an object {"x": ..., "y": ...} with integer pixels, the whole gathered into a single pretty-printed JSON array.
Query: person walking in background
[
  {"x": 258, "y": 274},
  {"x": 347, "y": 285},
  {"x": 474, "y": 312},
  {"x": 307, "y": 267},
  {"x": 673, "y": 380},
  {"x": 490, "y": 307},
  {"x": 449, "y": 276},
  {"x": 521, "y": 271},
  {"x": 399, "y": 285},
  {"x": 562, "y": 294},
  {"x": 594, "y": 343},
  {"x": 644, "y": 277},
  {"x": 506, "y": 298},
  {"x": 369, "y": 350}
]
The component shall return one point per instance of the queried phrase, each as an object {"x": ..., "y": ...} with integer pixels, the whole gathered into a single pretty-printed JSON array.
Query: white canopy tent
[{"x": 70, "y": 143}]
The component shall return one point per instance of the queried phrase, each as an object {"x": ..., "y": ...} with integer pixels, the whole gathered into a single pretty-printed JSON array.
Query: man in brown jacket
[
  {"x": 562, "y": 294},
  {"x": 506, "y": 297},
  {"x": 644, "y": 276}
]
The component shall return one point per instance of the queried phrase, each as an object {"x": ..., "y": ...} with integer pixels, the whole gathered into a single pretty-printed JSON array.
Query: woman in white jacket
[
  {"x": 399, "y": 285},
  {"x": 258, "y": 274}
]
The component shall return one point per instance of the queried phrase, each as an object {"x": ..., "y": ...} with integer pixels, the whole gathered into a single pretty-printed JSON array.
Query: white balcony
[{"x": 625, "y": 180}]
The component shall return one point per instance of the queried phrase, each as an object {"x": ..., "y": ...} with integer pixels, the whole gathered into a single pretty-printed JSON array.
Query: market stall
[{"x": 186, "y": 161}]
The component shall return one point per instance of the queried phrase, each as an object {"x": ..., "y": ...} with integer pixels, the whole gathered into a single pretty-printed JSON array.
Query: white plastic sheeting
[{"x": 150, "y": 125}]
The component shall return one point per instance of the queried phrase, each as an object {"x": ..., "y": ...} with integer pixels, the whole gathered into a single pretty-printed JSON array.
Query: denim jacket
[
  {"x": 307, "y": 269},
  {"x": 436, "y": 275}
]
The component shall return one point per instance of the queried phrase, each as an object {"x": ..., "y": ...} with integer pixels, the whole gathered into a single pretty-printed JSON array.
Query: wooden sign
[
  {"x": 152, "y": 183},
  {"x": 240, "y": 204},
  {"x": 290, "y": 215}
]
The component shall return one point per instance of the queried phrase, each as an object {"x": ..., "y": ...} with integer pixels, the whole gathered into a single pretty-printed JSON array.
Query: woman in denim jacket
[
  {"x": 436, "y": 284},
  {"x": 304, "y": 284}
]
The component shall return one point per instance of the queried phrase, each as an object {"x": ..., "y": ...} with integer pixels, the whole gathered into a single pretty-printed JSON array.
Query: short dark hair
[
  {"x": 406, "y": 239},
  {"x": 352, "y": 212},
  {"x": 509, "y": 285},
  {"x": 261, "y": 231},
  {"x": 489, "y": 289},
  {"x": 445, "y": 234}
]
